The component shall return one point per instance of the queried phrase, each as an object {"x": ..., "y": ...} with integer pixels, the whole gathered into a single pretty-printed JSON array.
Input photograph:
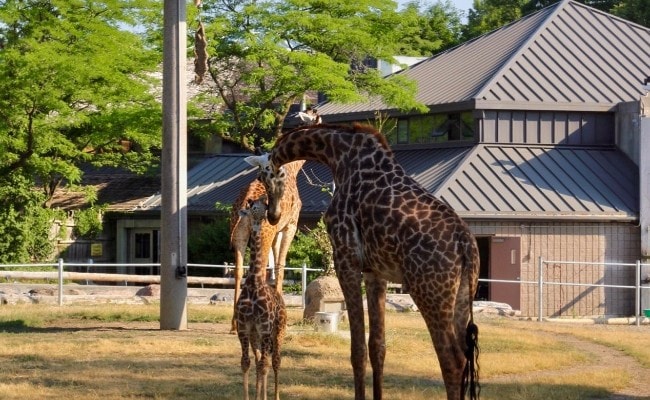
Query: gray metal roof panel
[
  {"x": 544, "y": 181},
  {"x": 483, "y": 181},
  {"x": 215, "y": 180},
  {"x": 565, "y": 56},
  {"x": 579, "y": 56}
]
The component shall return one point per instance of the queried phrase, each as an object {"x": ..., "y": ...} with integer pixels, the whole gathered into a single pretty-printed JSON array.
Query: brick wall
[{"x": 579, "y": 242}]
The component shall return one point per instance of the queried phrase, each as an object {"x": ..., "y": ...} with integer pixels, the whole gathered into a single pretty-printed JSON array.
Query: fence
[
  {"x": 541, "y": 284},
  {"x": 62, "y": 275}
]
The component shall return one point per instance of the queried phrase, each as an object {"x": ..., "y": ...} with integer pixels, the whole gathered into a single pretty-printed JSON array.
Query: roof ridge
[
  {"x": 459, "y": 169},
  {"x": 559, "y": 6}
]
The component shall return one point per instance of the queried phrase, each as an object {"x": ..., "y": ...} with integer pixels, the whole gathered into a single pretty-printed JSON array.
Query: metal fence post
[
  {"x": 304, "y": 283},
  {"x": 60, "y": 268},
  {"x": 540, "y": 286},
  {"x": 637, "y": 296}
]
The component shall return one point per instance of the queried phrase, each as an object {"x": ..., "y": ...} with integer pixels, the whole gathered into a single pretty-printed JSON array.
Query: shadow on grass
[{"x": 21, "y": 326}]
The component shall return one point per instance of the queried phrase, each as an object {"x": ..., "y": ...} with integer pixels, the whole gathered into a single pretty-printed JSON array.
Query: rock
[
  {"x": 219, "y": 297},
  {"x": 400, "y": 303},
  {"x": 149, "y": 291},
  {"x": 323, "y": 294},
  {"x": 492, "y": 307}
]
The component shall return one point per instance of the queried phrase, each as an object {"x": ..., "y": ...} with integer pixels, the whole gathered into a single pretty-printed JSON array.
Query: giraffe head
[
  {"x": 273, "y": 177},
  {"x": 256, "y": 210}
]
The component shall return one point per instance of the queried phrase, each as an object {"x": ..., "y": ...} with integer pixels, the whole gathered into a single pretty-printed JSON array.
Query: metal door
[{"x": 505, "y": 264}]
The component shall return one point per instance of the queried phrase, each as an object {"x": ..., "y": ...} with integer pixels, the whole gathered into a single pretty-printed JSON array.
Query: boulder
[
  {"x": 149, "y": 291},
  {"x": 323, "y": 294}
]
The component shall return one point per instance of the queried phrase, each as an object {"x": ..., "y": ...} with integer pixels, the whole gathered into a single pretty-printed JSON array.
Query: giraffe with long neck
[
  {"x": 384, "y": 226},
  {"x": 261, "y": 313},
  {"x": 274, "y": 238}
]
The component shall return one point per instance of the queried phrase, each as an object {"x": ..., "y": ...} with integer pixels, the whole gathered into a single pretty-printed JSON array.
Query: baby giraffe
[{"x": 261, "y": 314}]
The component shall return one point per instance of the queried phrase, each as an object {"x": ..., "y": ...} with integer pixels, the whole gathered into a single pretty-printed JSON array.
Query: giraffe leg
[
  {"x": 452, "y": 363},
  {"x": 245, "y": 360},
  {"x": 276, "y": 370},
  {"x": 442, "y": 329},
  {"x": 376, "y": 294},
  {"x": 351, "y": 286},
  {"x": 263, "y": 368},
  {"x": 239, "y": 272},
  {"x": 278, "y": 339},
  {"x": 280, "y": 254}
]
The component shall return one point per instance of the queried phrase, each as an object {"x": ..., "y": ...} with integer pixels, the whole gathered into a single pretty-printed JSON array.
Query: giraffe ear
[{"x": 258, "y": 161}]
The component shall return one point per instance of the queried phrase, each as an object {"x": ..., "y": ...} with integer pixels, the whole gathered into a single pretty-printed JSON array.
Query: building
[{"x": 532, "y": 137}]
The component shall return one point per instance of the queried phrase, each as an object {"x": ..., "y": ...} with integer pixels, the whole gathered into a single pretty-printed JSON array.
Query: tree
[
  {"x": 437, "y": 27},
  {"x": 265, "y": 55},
  {"x": 75, "y": 89},
  {"x": 633, "y": 10},
  {"x": 488, "y": 15}
]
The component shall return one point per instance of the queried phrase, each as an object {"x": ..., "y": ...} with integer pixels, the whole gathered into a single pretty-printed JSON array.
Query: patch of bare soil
[{"x": 606, "y": 358}]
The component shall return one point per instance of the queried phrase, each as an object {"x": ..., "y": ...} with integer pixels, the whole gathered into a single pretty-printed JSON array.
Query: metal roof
[
  {"x": 215, "y": 180},
  {"x": 544, "y": 182},
  {"x": 483, "y": 181},
  {"x": 563, "y": 56}
]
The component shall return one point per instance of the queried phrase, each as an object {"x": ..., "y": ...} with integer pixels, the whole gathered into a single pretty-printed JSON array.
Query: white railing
[
  {"x": 61, "y": 275},
  {"x": 540, "y": 283}
]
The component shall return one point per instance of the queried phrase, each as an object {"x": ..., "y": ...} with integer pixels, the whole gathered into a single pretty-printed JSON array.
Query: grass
[{"x": 111, "y": 351}]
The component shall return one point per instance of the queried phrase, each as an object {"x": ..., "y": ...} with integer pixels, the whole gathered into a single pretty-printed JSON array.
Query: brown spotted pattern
[
  {"x": 261, "y": 313},
  {"x": 385, "y": 227},
  {"x": 276, "y": 238}
]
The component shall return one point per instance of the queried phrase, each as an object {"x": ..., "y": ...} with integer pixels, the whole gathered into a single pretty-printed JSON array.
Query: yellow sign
[{"x": 96, "y": 250}]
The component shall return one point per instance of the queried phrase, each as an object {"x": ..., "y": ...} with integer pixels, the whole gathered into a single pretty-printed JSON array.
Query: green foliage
[
  {"x": 633, "y": 10},
  {"x": 314, "y": 248},
  {"x": 88, "y": 222},
  {"x": 75, "y": 88},
  {"x": 210, "y": 243},
  {"x": 488, "y": 15},
  {"x": 25, "y": 225},
  {"x": 426, "y": 32},
  {"x": 265, "y": 55}
]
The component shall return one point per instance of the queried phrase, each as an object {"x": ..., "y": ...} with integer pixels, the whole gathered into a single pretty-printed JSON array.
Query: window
[
  {"x": 402, "y": 131},
  {"x": 433, "y": 128},
  {"x": 142, "y": 245}
]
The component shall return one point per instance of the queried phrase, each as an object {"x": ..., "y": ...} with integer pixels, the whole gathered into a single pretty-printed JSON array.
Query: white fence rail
[
  {"x": 9, "y": 271},
  {"x": 540, "y": 283},
  {"x": 60, "y": 275}
]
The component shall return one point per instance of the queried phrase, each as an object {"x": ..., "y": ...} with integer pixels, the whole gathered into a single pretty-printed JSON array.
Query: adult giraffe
[
  {"x": 276, "y": 238},
  {"x": 385, "y": 227}
]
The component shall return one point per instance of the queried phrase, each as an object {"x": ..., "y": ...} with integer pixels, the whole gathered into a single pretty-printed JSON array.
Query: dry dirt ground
[{"x": 608, "y": 358}]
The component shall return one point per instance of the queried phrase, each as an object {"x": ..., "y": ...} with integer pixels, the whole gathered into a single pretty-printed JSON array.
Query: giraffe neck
[
  {"x": 256, "y": 273},
  {"x": 342, "y": 148}
]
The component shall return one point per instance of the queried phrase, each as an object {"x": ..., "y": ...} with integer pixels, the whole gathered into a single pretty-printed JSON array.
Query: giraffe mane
[{"x": 354, "y": 128}]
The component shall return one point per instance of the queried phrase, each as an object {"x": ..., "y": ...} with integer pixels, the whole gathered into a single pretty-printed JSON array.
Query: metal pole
[
  {"x": 540, "y": 286},
  {"x": 637, "y": 296},
  {"x": 60, "y": 269},
  {"x": 304, "y": 283},
  {"x": 173, "y": 271}
]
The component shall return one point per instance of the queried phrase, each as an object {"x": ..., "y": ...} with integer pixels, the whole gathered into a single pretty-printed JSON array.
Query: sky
[{"x": 462, "y": 5}]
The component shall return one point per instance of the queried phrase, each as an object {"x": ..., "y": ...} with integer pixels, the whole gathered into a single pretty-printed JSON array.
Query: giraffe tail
[{"x": 471, "y": 384}]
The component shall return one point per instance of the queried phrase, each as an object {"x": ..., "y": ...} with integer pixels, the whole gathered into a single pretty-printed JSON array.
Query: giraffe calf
[{"x": 260, "y": 312}]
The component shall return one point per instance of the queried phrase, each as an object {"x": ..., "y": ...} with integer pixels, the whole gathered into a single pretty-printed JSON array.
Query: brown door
[{"x": 505, "y": 264}]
